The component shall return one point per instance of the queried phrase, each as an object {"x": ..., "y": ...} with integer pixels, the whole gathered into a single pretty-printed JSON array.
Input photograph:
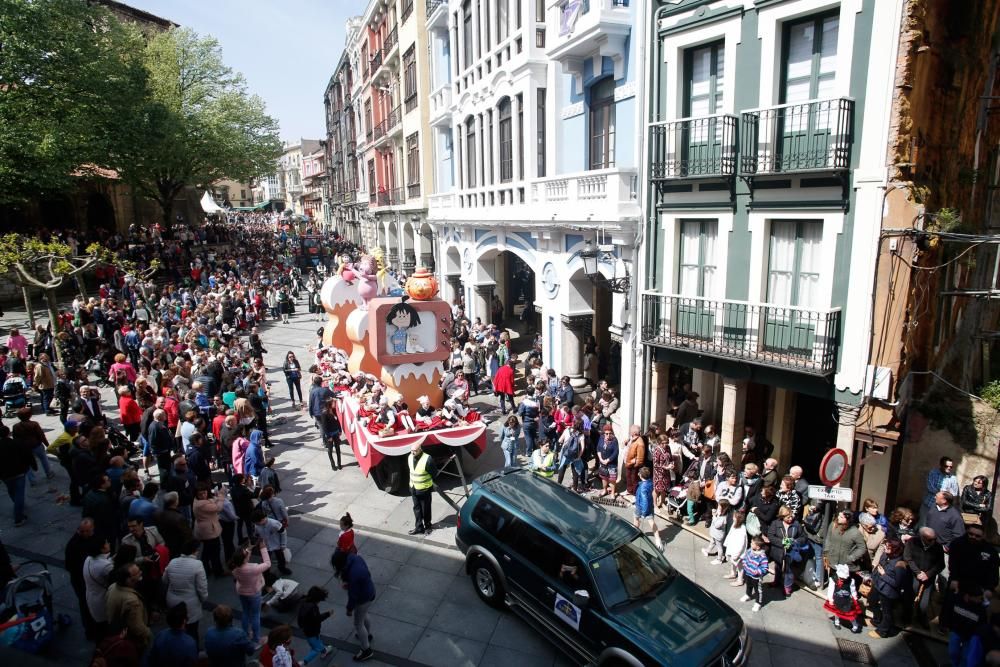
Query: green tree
[
  {"x": 47, "y": 265},
  {"x": 198, "y": 123},
  {"x": 70, "y": 72}
]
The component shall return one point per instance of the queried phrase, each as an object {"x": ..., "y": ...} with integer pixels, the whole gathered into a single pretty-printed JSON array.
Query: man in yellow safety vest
[
  {"x": 543, "y": 461},
  {"x": 422, "y": 472}
]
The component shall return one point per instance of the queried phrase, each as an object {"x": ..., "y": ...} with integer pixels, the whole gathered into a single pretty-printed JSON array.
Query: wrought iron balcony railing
[
  {"x": 396, "y": 196},
  {"x": 812, "y": 136},
  {"x": 413, "y": 190},
  {"x": 391, "y": 40},
  {"x": 375, "y": 62},
  {"x": 379, "y": 131},
  {"x": 383, "y": 198},
  {"x": 693, "y": 147},
  {"x": 394, "y": 117},
  {"x": 785, "y": 337}
]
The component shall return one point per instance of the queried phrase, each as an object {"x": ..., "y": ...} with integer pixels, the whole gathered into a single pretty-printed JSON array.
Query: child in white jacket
[
  {"x": 735, "y": 545},
  {"x": 717, "y": 532}
]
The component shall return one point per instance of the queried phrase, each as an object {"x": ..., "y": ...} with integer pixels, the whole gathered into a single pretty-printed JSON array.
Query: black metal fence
[{"x": 815, "y": 135}]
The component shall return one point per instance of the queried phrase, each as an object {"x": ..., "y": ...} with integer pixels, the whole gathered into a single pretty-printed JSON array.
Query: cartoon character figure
[
  {"x": 402, "y": 318},
  {"x": 381, "y": 271}
]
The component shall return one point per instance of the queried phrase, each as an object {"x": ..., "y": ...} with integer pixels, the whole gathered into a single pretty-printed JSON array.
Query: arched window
[
  {"x": 602, "y": 124},
  {"x": 506, "y": 142}
]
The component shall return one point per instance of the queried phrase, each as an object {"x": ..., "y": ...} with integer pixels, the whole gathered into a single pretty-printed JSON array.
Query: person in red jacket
[
  {"x": 129, "y": 413},
  {"x": 503, "y": 384}
]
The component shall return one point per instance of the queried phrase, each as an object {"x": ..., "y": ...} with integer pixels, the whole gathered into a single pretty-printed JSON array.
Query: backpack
[{"x": 813, "y": 521}]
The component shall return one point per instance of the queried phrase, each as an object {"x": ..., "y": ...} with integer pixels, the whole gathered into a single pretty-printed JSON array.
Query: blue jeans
[
  {"x": 46, "y": 398},
  {"x": 818, "y": 574},
  {"x": 251, "y": 616},
  {"x": 965, "y": 653},
  {"x": 316, "y": 649},
  {"x": 15, "y": 489},
  {"x": 38, "y": 451},
  {"x": 530, "y": 435}
]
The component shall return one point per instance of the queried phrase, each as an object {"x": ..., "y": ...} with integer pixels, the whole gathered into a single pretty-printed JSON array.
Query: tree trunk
[
  {"x": 80, "y": 286},
  {"x": 26, "y": 293},
  {"x": 53, "y": 307}
]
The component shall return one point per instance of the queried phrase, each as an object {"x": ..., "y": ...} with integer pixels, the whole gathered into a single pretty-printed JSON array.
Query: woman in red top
[
  {"x": 345, "y": 543},
  {"x": 129, "y": 412},
  {"x": 503, "y": 384}
]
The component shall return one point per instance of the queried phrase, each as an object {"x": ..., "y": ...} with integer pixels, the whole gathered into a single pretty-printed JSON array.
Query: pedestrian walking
[
  {"x": 644, "y": 509},
  {"x": 360, "y": 595},
  {"x": 311, "y": 621},
  {"x": 293, "y": 377},
  {"x": 16, "y": 459}
]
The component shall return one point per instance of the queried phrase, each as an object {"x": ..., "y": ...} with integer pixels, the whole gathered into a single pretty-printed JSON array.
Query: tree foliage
[
  {"x": 198, "y": 122},
  {"x": 70, "y": 72}
]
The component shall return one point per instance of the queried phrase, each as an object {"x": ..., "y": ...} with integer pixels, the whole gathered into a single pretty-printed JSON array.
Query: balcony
[
  {"x": 812, "y": 136},
  {"x": 379, "y": 131},
  {"x": 786, "y": 337},
  {"x": 391, "y": 42},
  {"x": 602, "y": 194},
  {"x": 693, "y": 148},
  {"x": 393, "y": 120},
  {"x": 384, "y": 198},
  {"x": 441, "y": 106},
  {"x": 434, "y": 20},
  {"x": 413, "y": 191},
  {"x": 349, "y": 197},
  {"x": 589, "y": 28},
  {"x": 407, "y": 10},
  {"x": 397, "y": 196},
  {"x": 375, "y": 62}
]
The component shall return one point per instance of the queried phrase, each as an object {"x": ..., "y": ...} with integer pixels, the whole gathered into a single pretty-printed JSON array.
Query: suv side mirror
[{"x": 581, "y": 599}]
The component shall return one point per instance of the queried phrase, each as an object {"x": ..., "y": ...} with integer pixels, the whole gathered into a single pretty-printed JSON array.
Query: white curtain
[
  {"x": 781, "y": 262},
  {"x": 809, "y": 265},
  {"x": 698, "y": 274}
]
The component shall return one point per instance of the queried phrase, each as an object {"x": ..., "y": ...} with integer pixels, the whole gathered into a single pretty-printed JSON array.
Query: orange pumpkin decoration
[{"x": 422, "y": 285}]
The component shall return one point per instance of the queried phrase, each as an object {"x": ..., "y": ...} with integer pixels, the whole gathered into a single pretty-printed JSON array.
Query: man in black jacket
[
  {"x": 925, "y": 557},
  {"x": 974, "y": 559},
  {"x": 77, "y": 550},
  {"x": 260, "y": 411},
  {"x": 161, "y": 442},
  {"x": 89, "y": 405},
  {"x": 15, "y": 460},
  {"x": 890, "y": 578},
  {"x": 945, "y": 519}
]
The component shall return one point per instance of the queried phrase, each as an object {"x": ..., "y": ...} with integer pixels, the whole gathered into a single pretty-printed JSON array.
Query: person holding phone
[{"x": 249, "y": 578}]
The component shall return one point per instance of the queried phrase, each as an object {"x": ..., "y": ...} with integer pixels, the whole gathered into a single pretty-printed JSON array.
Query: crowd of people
[{"x": 180, "y": 486}]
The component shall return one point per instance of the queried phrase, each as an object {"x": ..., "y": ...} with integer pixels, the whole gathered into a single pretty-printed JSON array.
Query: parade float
[{"x": 399, "y": 338}]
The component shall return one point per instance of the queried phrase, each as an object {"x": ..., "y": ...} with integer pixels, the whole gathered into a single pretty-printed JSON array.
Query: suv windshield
[{"x": 632, "y": 572}]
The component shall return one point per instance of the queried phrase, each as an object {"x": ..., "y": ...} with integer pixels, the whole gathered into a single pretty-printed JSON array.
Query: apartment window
[
  {"x": 484, "y": 16},
  {"x": 479, "y": 29},
  {"x": 503, "y": 26},
  {"x": 793, "y": 275},
  {"x": 540, "y": 38},
  {"x": 540, "y": 11},
  {"x": 696, "y": 277},
  {"x": 371, "y": 180},
  {"x": 413, "y": 165},
  {"x": 470, "y": 149},
  {"x": 467, "y": 34},
  {"x": 243, "y": 194},
  {"x": 506, "y": 141},
  {"x": 540, "y": 122},
  {"x": 602, "y": 124},
  {"x": 704, "y": 80},
  {"x": 517, "y": 14},
  {"x": 407, "y": 10},
  {"x": 368, "y": 118},
  {"x": 489, "y": 177},
  {"x": 410, "y": 79},
  {"x": 520, "y": 135},
  {"x": 810, "y": 59}
]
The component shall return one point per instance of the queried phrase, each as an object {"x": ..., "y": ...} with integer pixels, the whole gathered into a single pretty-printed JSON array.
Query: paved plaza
[{"x": 427, "y": 612}]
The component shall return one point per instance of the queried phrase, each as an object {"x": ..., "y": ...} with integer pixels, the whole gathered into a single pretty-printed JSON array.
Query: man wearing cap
[{"x": 422, "y": 473}]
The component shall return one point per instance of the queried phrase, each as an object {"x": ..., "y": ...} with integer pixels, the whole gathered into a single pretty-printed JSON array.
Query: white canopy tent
[{"x": 208, "y": 204}]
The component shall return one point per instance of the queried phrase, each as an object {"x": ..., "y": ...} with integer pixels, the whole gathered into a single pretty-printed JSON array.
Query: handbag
[{"x": 709, "y": 490}]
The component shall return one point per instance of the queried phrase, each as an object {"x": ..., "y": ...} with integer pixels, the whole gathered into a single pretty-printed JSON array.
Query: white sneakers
[
  {"x": 756, "y": 607},
  {"x": 745, "y": 598}
]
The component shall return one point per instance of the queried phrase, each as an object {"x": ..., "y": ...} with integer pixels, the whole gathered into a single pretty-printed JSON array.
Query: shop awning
[{"x": 258, "y": 207}]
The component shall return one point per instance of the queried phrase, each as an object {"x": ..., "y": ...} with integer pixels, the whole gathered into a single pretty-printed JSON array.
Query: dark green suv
[{"x": 589, "y": 578}]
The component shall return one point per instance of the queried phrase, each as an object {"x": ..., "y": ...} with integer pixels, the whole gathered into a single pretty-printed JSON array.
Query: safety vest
[
  {"x": 543, "y": 466},
  {"x": 420, "y": 479}
]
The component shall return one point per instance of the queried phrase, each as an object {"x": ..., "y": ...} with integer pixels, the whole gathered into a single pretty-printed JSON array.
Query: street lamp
[{"x": 592, "y": 257}]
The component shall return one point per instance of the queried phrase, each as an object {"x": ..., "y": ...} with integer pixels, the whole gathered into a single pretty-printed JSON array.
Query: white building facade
[{"x": 535, "y": 115}]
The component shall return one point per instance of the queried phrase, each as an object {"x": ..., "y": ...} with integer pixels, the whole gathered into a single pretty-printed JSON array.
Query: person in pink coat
[
  {"x": 240, "y": 446},
  {"x": 249, "y": 578}
]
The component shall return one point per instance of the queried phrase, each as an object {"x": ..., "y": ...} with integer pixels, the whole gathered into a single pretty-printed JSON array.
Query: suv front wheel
[{"x": 487, "y": 583}]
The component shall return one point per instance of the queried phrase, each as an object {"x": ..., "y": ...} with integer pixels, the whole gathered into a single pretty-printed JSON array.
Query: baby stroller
[
  {"x": 677, "y": 497},
  {"x": 15, "y": 397},
  {"x": 27, "y": 619}
]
